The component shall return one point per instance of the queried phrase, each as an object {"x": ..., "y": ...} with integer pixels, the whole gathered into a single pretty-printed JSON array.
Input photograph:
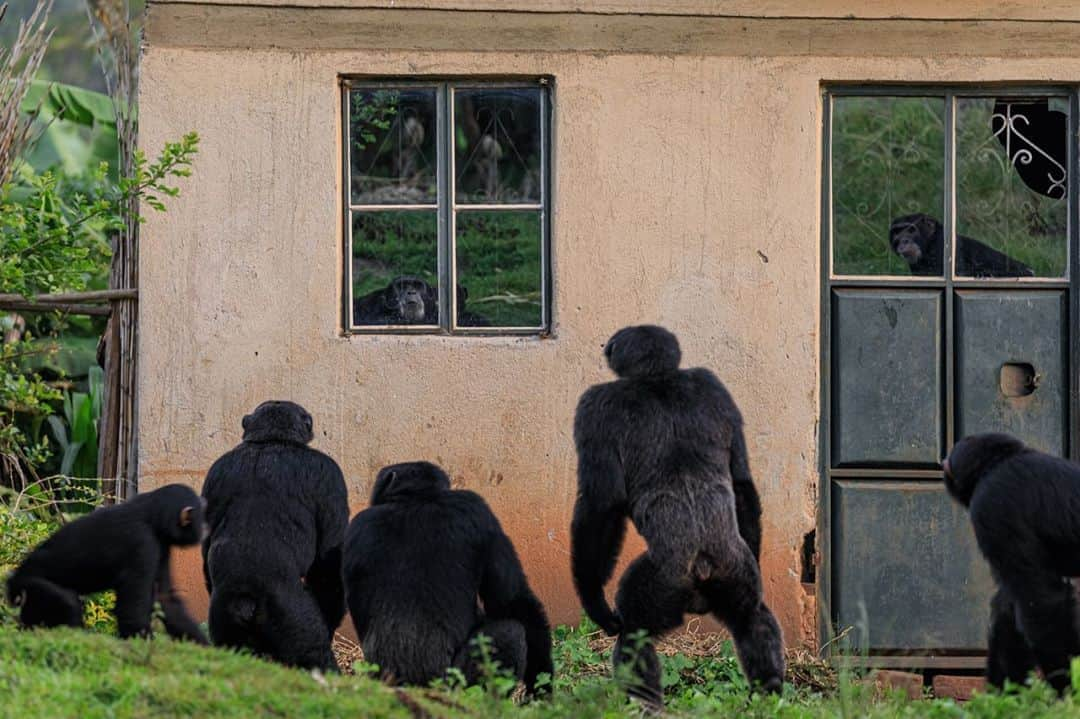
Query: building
[{"x": 556, "y": 169}]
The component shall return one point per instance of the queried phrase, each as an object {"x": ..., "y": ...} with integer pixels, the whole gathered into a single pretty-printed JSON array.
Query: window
[
  {"x": 961, "y": 184},
  {"x": 448, "y": 207}
]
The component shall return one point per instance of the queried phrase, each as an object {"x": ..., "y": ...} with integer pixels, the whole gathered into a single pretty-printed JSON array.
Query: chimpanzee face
[
  {"x": 410, "y": 298},
  {"x": 912, "y": 237},
  {"x": 906, "y": 241}
]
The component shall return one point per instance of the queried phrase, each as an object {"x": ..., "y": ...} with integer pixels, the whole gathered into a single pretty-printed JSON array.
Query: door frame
[{"x": 1069, "y": 283}]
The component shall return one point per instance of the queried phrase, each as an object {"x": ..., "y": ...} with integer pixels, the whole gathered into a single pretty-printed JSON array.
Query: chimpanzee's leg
[
  {"x": 506, "y": 645},
  {"x": 45, "y": 604},
  {"x": 1009, "y": 658},
  {"x": 648, "y": 600},
  {"x": 736, "y": 600}
]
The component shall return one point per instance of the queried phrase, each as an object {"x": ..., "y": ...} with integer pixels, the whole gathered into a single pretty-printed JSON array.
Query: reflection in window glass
[
  {"x": 395, "y": 268},
  {"x": 1011, "y": 187},
  {"x": 412, "y": 184},
  {"x": 498, "y": 269},
  {"x": 888, "y": 180},
  {"x": 497, "y": 138},
  {"x": 393, "y": 146}
]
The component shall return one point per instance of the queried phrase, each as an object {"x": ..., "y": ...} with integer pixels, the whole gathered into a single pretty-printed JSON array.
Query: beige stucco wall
[{"x": 686, "y": 193}]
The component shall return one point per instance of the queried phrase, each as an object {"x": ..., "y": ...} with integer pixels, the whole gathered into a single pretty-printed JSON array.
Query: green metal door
[{"x": 948, "y": 260}]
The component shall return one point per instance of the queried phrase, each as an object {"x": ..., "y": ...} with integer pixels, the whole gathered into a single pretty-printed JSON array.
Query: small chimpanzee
[
  {"x": 406, "y": 300},
  {"x": 919, "y": 240},
  {"x": 665, "y": 447},
  {"x": 419, "y": 563},
  {"x": 124, "y": 547},
  {"x": 1025, "y": 509},
  {"x": 277, "y": 511}
]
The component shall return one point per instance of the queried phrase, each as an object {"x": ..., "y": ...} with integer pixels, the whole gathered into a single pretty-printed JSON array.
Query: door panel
[
  {"x": 907, "y": 574},
  {"x": 1010, "y": 368},
  {"x": 887, "y": 377}
]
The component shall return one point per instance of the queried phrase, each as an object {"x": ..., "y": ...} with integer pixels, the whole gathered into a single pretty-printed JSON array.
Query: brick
[
  {"x": 960, "y": 688},
  {"x": 911, "y": 684}
]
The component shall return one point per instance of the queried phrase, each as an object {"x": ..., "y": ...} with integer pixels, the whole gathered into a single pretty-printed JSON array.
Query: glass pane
[
  {"x": 497, "y": 145},
  {"x": 392, "y": 143},
  {"x": 888, "y": 167},
  {"x": 498, "y": 269},
  {"x": 1011, "y": 187},
  {"x": 395, "y": 267}
]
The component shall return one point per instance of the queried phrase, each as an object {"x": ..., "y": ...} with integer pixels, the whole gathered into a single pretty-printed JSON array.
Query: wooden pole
[
  {"x": 68, "y": 297},
  {"x": 67, "y": 308}
]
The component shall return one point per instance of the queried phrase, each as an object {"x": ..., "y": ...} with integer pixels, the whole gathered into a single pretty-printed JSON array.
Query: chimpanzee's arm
[
  {"x": 597, "y": 529},
  {"x": 747, "y": 503},
  {"x": 323, "y": 578},
  {"x": 505, "y": 592},
  {"x": 178, "y": 623}
]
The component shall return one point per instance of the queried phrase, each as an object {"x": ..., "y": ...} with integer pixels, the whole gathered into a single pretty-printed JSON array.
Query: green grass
[
  {"x": 71, "y": 673},
  {"x": 498, "y": 260},
  {"x": 90, "y": 673}
]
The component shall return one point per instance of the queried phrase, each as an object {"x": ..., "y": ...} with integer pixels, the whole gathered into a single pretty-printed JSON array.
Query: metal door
[{"x": 963, "y": 325}]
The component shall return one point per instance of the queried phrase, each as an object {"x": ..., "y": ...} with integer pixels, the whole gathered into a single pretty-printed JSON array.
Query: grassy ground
[{"x": 68, "y": 673}]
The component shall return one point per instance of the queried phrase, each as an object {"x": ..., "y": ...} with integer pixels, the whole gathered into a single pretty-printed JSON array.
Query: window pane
[
  {"x": 497, "y": 138},
  {"x": 395, "y": 268},
  {"x": 1011, "y": 187},
  {"x": 498, "y": 269},
  {"x": 888, "y": 168},
  {"x": 393, "y": 138}
]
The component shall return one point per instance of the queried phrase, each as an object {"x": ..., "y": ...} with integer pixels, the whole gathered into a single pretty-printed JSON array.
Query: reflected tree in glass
[
  {"x": 497, "y": 145},
  {"x": 393, "y": 140}
]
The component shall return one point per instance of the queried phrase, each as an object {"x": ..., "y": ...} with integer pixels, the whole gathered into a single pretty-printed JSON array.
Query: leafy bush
[{"x": 76, "y": 431}]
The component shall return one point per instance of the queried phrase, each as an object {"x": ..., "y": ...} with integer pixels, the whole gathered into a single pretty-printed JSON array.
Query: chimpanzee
[
  {"x": 277, "y": 511},
  {"x": 919, "y": 240},
  {"x": 419, "y": 563},
  {"x": 406, "y": 300},
  {"x": 665, "y": 447},
  {"x": 124, "y": 547},
  {"x": 1025, "y": 509},
  {"x": 410, "y": 301}
]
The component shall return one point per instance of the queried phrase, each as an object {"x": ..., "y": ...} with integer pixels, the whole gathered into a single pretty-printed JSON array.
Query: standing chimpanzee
[
  {"x": 1025, "y": 509},
  {"x": 419, "y": 562},
  {"x": 920, "y": 239},
  {"x": 665, "y": 447},
  {"x": 277, "y": 511},
  {"x": 124, "y": 547}
]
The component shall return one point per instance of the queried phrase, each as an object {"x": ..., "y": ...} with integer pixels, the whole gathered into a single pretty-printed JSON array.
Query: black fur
[
  {"x": 406, "y": 300},
  {"x": 466, "y": 318},
  {"x": 124, "y": 547},
  {"x": 665, "y": 447},
  {"x": 919, "y": 240},
  {"x": 410, "y": 301},
  {"x": 419, "y": 563},
  {"x": 277, "y": 511},
  {"x": 1025, "y": 509}
]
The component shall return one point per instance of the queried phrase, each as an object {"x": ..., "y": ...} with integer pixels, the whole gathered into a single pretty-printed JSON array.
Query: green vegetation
[
  {"x": 888, "y": 160},
  {"x": 498, "y": 258},
  {"x": 69, "y": 673}
]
